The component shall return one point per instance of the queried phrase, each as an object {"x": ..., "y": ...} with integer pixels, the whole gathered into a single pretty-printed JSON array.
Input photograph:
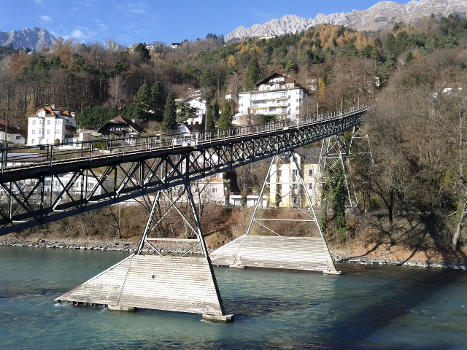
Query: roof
[
  {"x": 121, "y": 120},
  {"x": 276, "y": 75}
]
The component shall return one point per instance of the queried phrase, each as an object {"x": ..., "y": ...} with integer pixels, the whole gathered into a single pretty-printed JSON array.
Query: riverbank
[{"x": 355, "y": 254}]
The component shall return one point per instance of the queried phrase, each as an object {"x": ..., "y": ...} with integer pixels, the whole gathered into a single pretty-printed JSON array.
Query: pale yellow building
[{"x": 286, "y": 189}]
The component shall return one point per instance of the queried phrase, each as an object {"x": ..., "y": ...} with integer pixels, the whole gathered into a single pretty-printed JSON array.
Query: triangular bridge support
[
  {"x": 182, "y": 280},
  {"x": 277, "y": 250}
]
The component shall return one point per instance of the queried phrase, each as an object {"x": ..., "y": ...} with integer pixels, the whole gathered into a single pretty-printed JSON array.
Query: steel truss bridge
[{"x": 101, "y": 173}]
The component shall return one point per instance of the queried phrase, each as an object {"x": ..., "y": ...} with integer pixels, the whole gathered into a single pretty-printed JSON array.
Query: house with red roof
[{"x": 50, "y": 126}]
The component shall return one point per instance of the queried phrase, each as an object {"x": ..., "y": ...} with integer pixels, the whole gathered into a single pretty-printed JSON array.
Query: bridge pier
[{"x": 152, "y": 279}]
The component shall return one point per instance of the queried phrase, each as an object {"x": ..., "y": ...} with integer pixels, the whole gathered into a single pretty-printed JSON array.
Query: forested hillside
[{"x": 343, "y": 62}]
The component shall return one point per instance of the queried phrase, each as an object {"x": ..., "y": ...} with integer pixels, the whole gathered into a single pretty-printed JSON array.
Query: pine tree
[
  {"x": 156, "y": 100},
  {"x": 210, "y": 123},
  {"x": 142, "y": 97},
  {"x": 169, "y": 123},
  {"x": 215, "y": 110},
  {"x": 253, "y": 74},
  {"x": 225, "y": 120}
]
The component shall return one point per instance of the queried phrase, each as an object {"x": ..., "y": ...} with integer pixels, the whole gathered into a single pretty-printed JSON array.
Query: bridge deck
[
  {"x": 276, "y": 252},
  {"x": 152, "y": 282}
]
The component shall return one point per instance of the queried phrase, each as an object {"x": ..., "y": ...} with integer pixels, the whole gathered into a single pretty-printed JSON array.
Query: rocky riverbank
[{"x": 396, "y": 256}]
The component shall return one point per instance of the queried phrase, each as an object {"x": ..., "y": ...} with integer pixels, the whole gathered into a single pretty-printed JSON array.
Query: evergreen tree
[
  {"x": 225, "y": 120},
  {"x": 138, "y": 114},
  {"x": 142, "y": 52},
  {"x": 253, "y": 74},
  {"x": 169, "y": 123},
  {"x": 156, "y": 100},
  {"x": 142, "y": 97},
  {"x": 215, "y": 110},
  {"x": 210, "y": 122}
]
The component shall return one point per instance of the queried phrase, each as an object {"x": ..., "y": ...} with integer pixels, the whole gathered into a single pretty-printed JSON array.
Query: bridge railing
[{"x": 26, "y": 156}]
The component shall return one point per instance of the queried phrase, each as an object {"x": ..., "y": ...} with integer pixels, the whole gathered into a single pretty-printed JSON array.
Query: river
[{"x": 365, "y": 308}]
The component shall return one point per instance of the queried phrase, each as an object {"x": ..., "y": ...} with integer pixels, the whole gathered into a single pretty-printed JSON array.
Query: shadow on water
[
  {"x": 349, "y": 327},
  {"x": 355, "y": 327}
]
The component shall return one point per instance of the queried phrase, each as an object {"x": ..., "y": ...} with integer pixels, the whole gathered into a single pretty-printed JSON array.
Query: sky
[{"x": 128, "y": 22}]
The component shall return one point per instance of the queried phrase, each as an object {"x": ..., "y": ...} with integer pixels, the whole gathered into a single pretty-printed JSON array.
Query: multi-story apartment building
[
  {"x": 277, "y": 96},
  {"x": 286, "y": 189},
  {"x": 50, "y": 126}
]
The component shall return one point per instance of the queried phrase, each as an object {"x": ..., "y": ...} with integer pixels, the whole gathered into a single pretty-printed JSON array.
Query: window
[
  {"x": 294, "y": 186},
  {"x": 279, "y": 173},
  {"x": 33, "y": 141},
  {"x": 310, "y": 172},
  {"x": 33, "y": 122},
  {"x": 33, "y": 132},
  {"x": 48, "y": 132},
  {"x": 48, "y": 122},
  {"x": 310, "y": 186},
  {"x": 18, "y": 137},
  {"x": 294, "y": 172}
]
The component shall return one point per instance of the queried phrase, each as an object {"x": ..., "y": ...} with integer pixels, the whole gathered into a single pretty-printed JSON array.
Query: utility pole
[
  {"x": 5, "y": 138},
  {"x": 6, "y": 115}
]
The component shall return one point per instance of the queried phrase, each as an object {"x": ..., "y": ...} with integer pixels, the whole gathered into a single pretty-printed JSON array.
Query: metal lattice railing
[{"x": 22, "y": 156}]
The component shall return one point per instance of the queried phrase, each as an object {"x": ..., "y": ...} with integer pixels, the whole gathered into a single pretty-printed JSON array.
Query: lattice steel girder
[{"x": 27, "y": 202}]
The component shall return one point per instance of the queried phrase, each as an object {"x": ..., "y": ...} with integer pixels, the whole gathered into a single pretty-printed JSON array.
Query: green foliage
[
  {"x": 208, "y": 83},
  {"x": 210, "y": 122},
  {"x": 185, "y": 111},
  {"x": 142, "y": 52},
  {"x": 225, "y": 120},
  {"x": 169, "y": 122},
  {"x": 253, "y": 74},
  {"x": 95, "y": 117},
  {"x": 215, "y": 110},
  {"x": 334, "y": 193},
  {"x": 142, "y": 97},
  {"x": 156, "y": 101}
]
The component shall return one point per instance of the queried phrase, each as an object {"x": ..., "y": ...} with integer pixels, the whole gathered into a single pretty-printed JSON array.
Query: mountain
[
  {"x": 379, "y": 16},
  {"x": 34, "y": 39}
]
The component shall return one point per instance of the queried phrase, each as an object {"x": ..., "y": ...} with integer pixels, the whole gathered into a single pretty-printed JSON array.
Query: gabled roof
[
  {"x": 121, "y": 120},
  {"x": 275, "y": 75}
]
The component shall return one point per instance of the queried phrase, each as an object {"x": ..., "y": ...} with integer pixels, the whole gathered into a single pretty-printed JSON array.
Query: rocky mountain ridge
[
  {"x": 33, "y": 39},
  {"x": 378, "y": 16}
]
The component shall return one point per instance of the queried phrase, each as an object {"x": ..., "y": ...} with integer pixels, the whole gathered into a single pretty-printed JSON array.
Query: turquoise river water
[{"x": 364, "y": 308}]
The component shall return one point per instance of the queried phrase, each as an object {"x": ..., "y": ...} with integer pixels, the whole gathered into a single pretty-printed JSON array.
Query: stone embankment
[
  {"x": 116, "y": 246},
  {"x": 399, "y": 262}
]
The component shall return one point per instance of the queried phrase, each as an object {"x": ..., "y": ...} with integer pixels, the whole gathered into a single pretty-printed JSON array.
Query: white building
[
  {"x": 50, "y": 126},
  {"x": 195, "y": 101},
  {"x": 13, "y": 135},
  {"x": 286, "y": 189},
  {"x": 277, "y": 96},
  {"x": 212, "y": 189},
  {"x": 200, "y": 107}
]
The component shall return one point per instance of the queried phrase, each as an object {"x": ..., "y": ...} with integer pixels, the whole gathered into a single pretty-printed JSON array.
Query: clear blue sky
[{"x": 128, "y": 22}]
